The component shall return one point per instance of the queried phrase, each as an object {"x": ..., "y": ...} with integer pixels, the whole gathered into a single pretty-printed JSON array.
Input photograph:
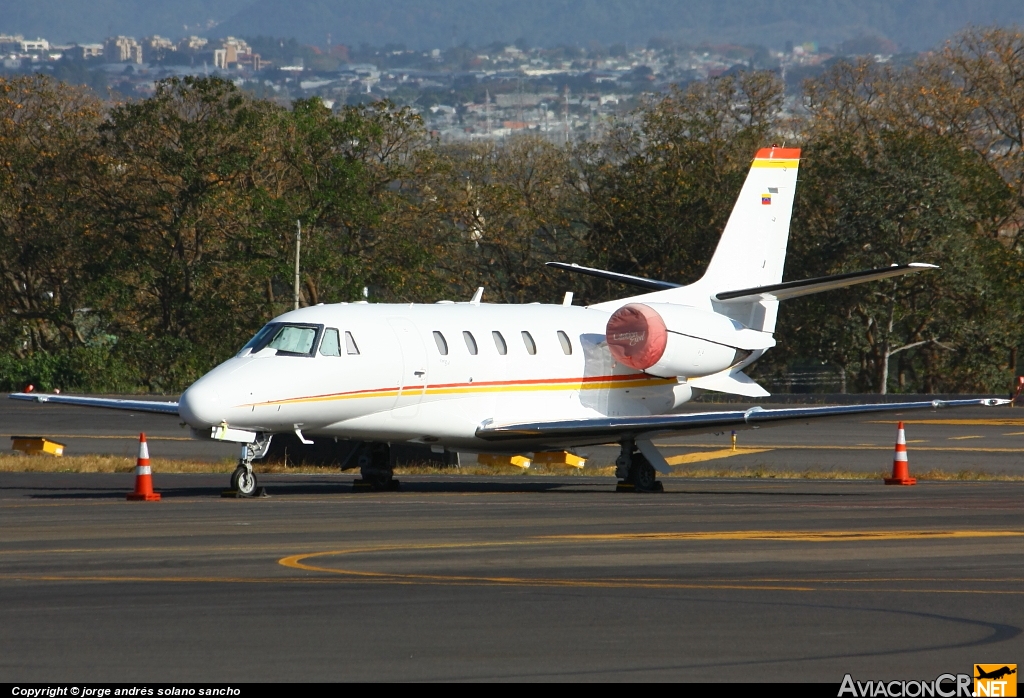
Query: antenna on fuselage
[
  {"x": 475, "y": 300},
  {"x": 298, "y": 248}
]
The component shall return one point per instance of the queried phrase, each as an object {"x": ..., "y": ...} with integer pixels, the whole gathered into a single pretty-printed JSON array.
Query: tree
[
  {"x": 870, "y": 199},
  {"x": 47, "y": 235},
  {"x": 660, "y": 187},
  {"x": 184, "y": 266},
  {"x": 500, "y": 211}
]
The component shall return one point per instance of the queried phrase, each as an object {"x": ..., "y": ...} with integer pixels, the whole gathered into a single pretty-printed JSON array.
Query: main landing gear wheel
[
  {"x": 376, "y": 468},
  {"x": 243, "y": 481},
  {"x": 635, "y": 472},
  {"x": 643, "y": 475}
]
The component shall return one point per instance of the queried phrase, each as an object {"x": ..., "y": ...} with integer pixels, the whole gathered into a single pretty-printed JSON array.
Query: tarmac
[
  {"x": 460, "y": 578},
  {"x": 506, "y": 578}
]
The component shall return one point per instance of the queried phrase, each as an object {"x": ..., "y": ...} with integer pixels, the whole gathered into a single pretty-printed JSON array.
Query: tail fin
[{"x": 752, "y": 250}]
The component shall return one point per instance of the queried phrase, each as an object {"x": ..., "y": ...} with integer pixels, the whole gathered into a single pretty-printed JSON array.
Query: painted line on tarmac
[
  {"x": 806, "y": 447},
  {"x": 1008, "y": 422},
  {"x": 130, "y": 437},
  {"x": 339, "y": 576},
  {"x": 802, "y": 536},
  {"x": 713, "y": 455}
]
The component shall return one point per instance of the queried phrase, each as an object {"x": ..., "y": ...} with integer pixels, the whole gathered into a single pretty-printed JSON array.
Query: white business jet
[{"x": 519, "y": 379}]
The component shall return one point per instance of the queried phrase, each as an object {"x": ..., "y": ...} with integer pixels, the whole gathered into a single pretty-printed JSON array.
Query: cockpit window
[
  {"x": 261, "y": 339},
  {"x": 289, "y": 340},
  {"x": 294, "y": 339},
  {"x": 330, "y": 345}
]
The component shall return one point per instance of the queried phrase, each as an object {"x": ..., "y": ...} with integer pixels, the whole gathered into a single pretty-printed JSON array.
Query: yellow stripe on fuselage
[{"x": 486, "y": 387}]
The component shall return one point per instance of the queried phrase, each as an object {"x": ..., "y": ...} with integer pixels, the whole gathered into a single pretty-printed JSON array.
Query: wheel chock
[
  {"x": 360, "y": 485},
  {"x": 260, "y": 493},
  {"x": 623, "y": 486}
]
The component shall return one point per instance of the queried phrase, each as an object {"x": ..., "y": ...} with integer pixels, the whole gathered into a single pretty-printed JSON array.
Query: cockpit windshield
[{"x": 288, "y": 339}]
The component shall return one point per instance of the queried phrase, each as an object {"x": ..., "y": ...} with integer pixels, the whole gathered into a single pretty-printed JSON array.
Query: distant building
[
  {"x": 83, "y": 52},
  {"x": 10, "y": 43},
  {"x": 122, "y": 49},
  {"x": 155, "y": 47},
  {"x": 34, "y": 46},
  {"x": 192, "y": 44},
  {"x": 235, "y": 53}
]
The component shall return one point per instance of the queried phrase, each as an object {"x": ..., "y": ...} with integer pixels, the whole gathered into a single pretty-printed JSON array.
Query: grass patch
[{"x": 18, "y": 463}]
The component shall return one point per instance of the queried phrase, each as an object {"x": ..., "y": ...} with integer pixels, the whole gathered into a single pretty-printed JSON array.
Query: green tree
[
  {"x": 47, "y": 235},
  {"x": 868, "y": 200},
  {"x": 661, "y": 186},
  {"x": 183, "y": 249}
]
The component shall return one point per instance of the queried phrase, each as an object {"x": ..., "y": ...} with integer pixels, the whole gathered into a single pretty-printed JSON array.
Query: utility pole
[
  {"x": 566, "y": 92},
  {"x": 298, "y": 249}
]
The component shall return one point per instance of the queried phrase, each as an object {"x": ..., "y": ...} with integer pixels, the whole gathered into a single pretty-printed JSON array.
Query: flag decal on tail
[{"x": 766, "y": 199}]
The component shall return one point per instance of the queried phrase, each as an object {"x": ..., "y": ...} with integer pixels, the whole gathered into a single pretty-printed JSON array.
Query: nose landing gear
[
  {"x": 243, "y": 480},
  {"x": 635, "y": 472}
]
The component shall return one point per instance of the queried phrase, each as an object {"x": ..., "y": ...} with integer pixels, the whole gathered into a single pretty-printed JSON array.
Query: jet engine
[{"x": 676, "y": 340}]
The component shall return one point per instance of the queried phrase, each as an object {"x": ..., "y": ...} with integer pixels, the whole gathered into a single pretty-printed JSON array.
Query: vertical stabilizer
[{"x": 752, "y": 250}]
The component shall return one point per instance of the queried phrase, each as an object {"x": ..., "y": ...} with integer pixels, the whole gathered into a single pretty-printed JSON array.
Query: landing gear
[
  {"x": 635, "y": 472},
  {"x": 243, "y": 480},
  {"x": 376, "y": 468}
]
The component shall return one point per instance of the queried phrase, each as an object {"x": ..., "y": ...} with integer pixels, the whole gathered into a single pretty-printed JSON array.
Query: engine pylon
[{"x": 900, "y": 465}]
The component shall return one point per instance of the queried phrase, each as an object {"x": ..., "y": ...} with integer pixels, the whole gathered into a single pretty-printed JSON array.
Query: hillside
[{"x": 912, "y": 24}]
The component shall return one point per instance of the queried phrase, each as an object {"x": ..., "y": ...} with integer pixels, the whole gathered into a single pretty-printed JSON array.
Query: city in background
[{"x": 462, "y": 93}]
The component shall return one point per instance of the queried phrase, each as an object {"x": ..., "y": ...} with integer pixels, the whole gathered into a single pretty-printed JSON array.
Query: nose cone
[{"x": 201, "y": 406}]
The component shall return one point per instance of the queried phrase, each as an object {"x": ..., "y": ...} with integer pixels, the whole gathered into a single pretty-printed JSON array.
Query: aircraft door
[{"x": 414, "y": 367}]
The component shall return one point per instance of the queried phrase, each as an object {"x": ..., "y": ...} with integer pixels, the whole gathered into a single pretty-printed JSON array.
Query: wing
[
  {"x": 583, "y": 432},
  {"x": 170, "y": 408}
]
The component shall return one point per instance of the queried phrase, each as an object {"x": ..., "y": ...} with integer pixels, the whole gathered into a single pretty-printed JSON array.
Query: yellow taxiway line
[{"x": 128, "y": 437}]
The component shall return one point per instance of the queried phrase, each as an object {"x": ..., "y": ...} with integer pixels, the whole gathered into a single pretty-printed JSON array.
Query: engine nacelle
[{"x": 676, "y": 340}]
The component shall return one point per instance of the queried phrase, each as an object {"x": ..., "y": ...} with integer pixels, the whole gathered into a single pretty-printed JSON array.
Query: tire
[
  {"x": 642, "y": 474},
  {"x": 243, "y": 481}
]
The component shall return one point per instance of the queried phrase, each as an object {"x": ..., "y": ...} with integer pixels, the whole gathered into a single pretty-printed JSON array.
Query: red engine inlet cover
[{"x": 636, "y": 336}]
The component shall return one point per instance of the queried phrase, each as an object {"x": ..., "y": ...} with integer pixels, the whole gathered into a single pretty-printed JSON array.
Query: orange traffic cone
[
  {"x": 143, "y": 476},
  {"x": 900, "y": 466}
]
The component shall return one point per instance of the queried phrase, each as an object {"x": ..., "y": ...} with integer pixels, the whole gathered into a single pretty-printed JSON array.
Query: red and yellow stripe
[{"x": 520, "y": 386}]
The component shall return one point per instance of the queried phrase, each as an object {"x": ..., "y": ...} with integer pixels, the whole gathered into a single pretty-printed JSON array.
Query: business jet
[{"x": 520, "y": 379}]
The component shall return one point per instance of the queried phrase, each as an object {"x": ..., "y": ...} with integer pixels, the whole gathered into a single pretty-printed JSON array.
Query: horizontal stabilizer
[
  {"x": 735, "y": 383},
  {"x": 795, "y": 289},
  {"x": 638, "y": 281},
  {"x": 110, "y": 403}
]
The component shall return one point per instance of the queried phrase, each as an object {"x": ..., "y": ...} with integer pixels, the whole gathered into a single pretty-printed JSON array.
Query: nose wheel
[{"x": 243, "y": 481}]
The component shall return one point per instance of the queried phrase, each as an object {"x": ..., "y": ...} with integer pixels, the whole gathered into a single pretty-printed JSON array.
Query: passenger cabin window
[
  {"x": 442, "y": 346},
  {"x": 499, "y": 343},
  {"x": 350, "y": 344},
  {"x": 330, "y": 345},
  {"x": 563, "y": 339},
  {"x": 470, "y": 342},
  {"x": 288, "y": 340},
  {"x": 531, "y": 346}
]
